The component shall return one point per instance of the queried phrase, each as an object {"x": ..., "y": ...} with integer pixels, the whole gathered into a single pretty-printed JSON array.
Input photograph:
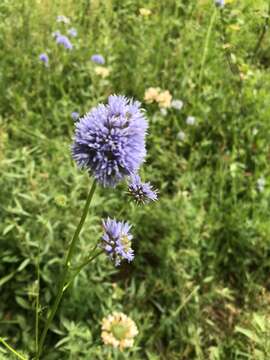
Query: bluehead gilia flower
[
  {"x": 44, "y": 58},
  {"x": 64, "y": 40},
  {"x": 116, "y": 240},
  {"x": 98, "y": 59},
  {"x": 110, "y": 140},
  {"x": 141, "y": 192}
]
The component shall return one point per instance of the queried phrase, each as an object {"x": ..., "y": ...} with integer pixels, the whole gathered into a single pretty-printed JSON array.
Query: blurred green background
[{"x": 199, "y": 286}]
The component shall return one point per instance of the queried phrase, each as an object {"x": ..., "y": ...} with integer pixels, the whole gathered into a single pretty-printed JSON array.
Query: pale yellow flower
[
  {"x": 118, "y": 330},
  {"x": 164, "y": 99},
  {"x": 145, "y": 12},
  {"x": 102, "y": 71},
  {"x": 151, "y": 94}
]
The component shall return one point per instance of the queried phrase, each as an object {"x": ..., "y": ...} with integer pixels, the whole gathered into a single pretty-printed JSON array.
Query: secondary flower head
[
  {"x": 102, "y": 71},
  {"x": 72, "y": 32},
  {"x": 44, "y": 58},
  {"x": 177, "y": 104},
  {"x": 116, "y": 240},
  {"x": 110, "y": 140},
  {"x": 141, "y": 192},
  {"x": 64, "y": 40},
  {"x": 118, "y": 330},
  {"x": 98, "y": 59},
  {"x": 75, "y": 115}
]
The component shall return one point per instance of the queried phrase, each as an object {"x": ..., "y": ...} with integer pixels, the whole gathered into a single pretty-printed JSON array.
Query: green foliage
[{"x": 199, "y": 286}]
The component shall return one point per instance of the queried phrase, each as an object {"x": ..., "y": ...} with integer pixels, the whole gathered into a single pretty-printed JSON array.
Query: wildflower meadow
[{"x": 135, "y": 194}]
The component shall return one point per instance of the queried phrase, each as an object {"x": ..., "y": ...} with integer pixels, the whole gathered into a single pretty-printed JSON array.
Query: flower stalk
[{"x": 66, "y": 267}]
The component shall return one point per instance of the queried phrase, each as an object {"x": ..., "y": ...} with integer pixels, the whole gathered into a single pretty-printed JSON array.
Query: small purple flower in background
[
  {"x": 181, "y": 136},
  {"x": 220, "y": 3},
  {"x": 142, "y": 193},
  {"x": 177, "y": 104},
  {"x": 116, "y": 240},
  {"x": 75, "y": 115},
  {"x": 110, "y": 140},
  {"x": 63, "y": 19},
  {"x": 72, "y": 32},
  {"x": 64, "y": 40},
  {"x": 44, "y": 58},
  {"x": 191, "y": 120},
  {"x": 98, "y": 59}
]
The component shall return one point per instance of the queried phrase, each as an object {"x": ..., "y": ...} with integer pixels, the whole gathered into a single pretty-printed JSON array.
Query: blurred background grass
[{"x": 199, "y": 286}]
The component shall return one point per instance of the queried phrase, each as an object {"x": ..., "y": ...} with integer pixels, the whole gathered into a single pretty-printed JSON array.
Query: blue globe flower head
[
  {"x": 142, "y": 193},
  {"x": 44, "y": 58},
  {"x": 110, "y": 140},
  {"x": 116, "y": 240},
  {"x": 64, "y": 40},
  {"x": 98, "y": 59}
]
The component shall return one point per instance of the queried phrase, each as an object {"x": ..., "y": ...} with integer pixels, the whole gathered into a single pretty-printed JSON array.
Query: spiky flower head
[
  {"x": 110, "y": 140},
  {"x": 98, "y": 59},
  {"x": 141, "y": 192},
  {"x": 64, "y": 40},
  {"x": 116, "y": 240},
  {"x": 118, "y": 330}
]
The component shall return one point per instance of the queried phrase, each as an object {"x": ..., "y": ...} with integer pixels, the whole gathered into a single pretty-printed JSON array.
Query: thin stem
[
  {"x": 11, "y": 349},
  {"x": 66, "y": 268},
  {"x": 206, "y": 46},
  {"x": 37, "y": 308},
  {"x": 79, "y": 268},
  {"x": 263, "y": 33}
]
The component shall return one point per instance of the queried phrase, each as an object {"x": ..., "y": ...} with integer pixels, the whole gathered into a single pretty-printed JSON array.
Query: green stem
[
  {"x": 79, "y": 268},
  {"x": 11, "y": 349},
  {"x": 37, "y": 308},
  {"x": 206, "y": 45},
  {"x": 66, "y": 268}
]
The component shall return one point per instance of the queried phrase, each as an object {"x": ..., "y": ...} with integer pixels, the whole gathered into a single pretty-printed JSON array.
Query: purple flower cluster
[
  {"x": 142, "y": 193},
  {"x": 44, "y": 58},
  {"x": 98, "y": 59},
  {"x": 116, "y": 240},
  {"x": 110, "y": 140},
  {"x": 64, "y": 40}
]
